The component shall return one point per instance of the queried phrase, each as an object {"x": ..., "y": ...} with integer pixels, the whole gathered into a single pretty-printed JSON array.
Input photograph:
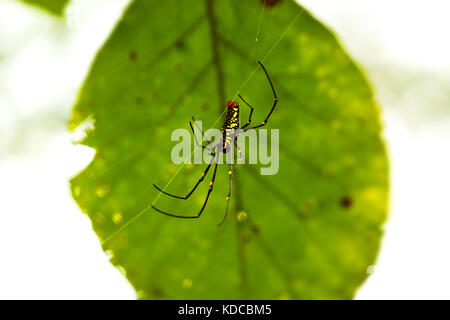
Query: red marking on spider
[{"x": 231, "y": 104}]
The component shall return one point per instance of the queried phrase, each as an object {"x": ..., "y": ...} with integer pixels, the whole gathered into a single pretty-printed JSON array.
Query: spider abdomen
[{"x": 230, "y": 125}]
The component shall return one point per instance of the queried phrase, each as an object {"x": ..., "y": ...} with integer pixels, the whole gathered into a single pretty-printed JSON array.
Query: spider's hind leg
[
  {"x": 230, "y": 174},
  {"x": 211, "y": 187}
]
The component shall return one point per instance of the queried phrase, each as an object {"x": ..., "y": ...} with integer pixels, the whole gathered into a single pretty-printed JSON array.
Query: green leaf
[
  {"x": 308, "y": 232},
  {"x": 55, "y": 7}
]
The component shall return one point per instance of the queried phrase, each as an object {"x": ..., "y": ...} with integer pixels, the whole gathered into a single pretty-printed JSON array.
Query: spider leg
[
  {"x": 208, "y": 141},
  {"x": 200, "y": 129},
  {"x": 251, "y": 112},
  {"x": 193, "y": 189},
  {"x": 239, "y": 150},
  {"x": 211, "y": 186},
  {"x": 239, "y": 153},
  {"x": 195, "y": 137},
  {"x": 275, "y": 100},
  {"x": 230, "y": 174}
]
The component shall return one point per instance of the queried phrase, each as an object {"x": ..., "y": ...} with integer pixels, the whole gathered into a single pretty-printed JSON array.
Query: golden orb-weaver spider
[{"x": 230, "y": 132}]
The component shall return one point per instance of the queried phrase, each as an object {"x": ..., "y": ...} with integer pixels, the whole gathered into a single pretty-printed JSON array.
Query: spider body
[
  {"x": 230, "y": 131},
  {"x": 230, "y": 125}
]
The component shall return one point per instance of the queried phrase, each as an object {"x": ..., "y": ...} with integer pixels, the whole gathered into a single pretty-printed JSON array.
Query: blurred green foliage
[
  {"x": 309, "y": 232},
  {"x": 55, "y": 7}
]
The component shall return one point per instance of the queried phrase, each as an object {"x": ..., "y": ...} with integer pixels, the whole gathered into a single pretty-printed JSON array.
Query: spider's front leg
[
  {"x": 203, "y": 136},
  {"x": 275, "y": 101},
  {"x": 250, "y": 115}
]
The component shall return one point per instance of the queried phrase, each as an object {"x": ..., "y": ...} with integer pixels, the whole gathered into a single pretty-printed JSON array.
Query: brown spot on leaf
[
  {"x": 131, "y": 272},
  {"x": 245, "y": 237},
  {"x": 256, "y": 228},
  {"x": 157, "y": 292},
  {"x": 270, "y": 3},
  {"x": 133, "y": 55},
  {"x": 180, "y": 44},
  {"x": 346, "y": 202}
]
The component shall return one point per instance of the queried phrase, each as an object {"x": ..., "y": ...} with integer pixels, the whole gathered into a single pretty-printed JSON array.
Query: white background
[{"x": 47, "y": 247}]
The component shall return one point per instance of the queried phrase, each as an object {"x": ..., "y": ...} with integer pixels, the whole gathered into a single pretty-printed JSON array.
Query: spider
[{"x": 230, "y": 132}]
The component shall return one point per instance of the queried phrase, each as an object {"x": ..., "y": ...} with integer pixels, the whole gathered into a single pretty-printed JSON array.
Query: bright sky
[{"x": 47, "y": 246}]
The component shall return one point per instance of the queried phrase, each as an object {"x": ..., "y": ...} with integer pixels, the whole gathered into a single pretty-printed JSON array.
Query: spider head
[{"x": 231, "y": 104}]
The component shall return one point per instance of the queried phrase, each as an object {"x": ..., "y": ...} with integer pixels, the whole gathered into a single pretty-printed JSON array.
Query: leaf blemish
[
  {"x": 102, "y": 191},
  {"x": 117, "y": 217},
  {"x": 180, "y": 45},
  {"x": 241, "y": 216},
  {"x": 256, "y": 228},
  {"x": 346, "y": 202},
  {"x": 245, "y": 237},
  {"x": 133, "y": 55},
  {"x": 270, "y": 3},
  {"x": 187, "y": 283}
]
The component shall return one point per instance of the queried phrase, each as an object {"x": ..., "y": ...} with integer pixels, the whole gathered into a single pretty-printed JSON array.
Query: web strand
[
  {"x": 270, "y": 51},
  {"x": 258, "y": 29}
]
